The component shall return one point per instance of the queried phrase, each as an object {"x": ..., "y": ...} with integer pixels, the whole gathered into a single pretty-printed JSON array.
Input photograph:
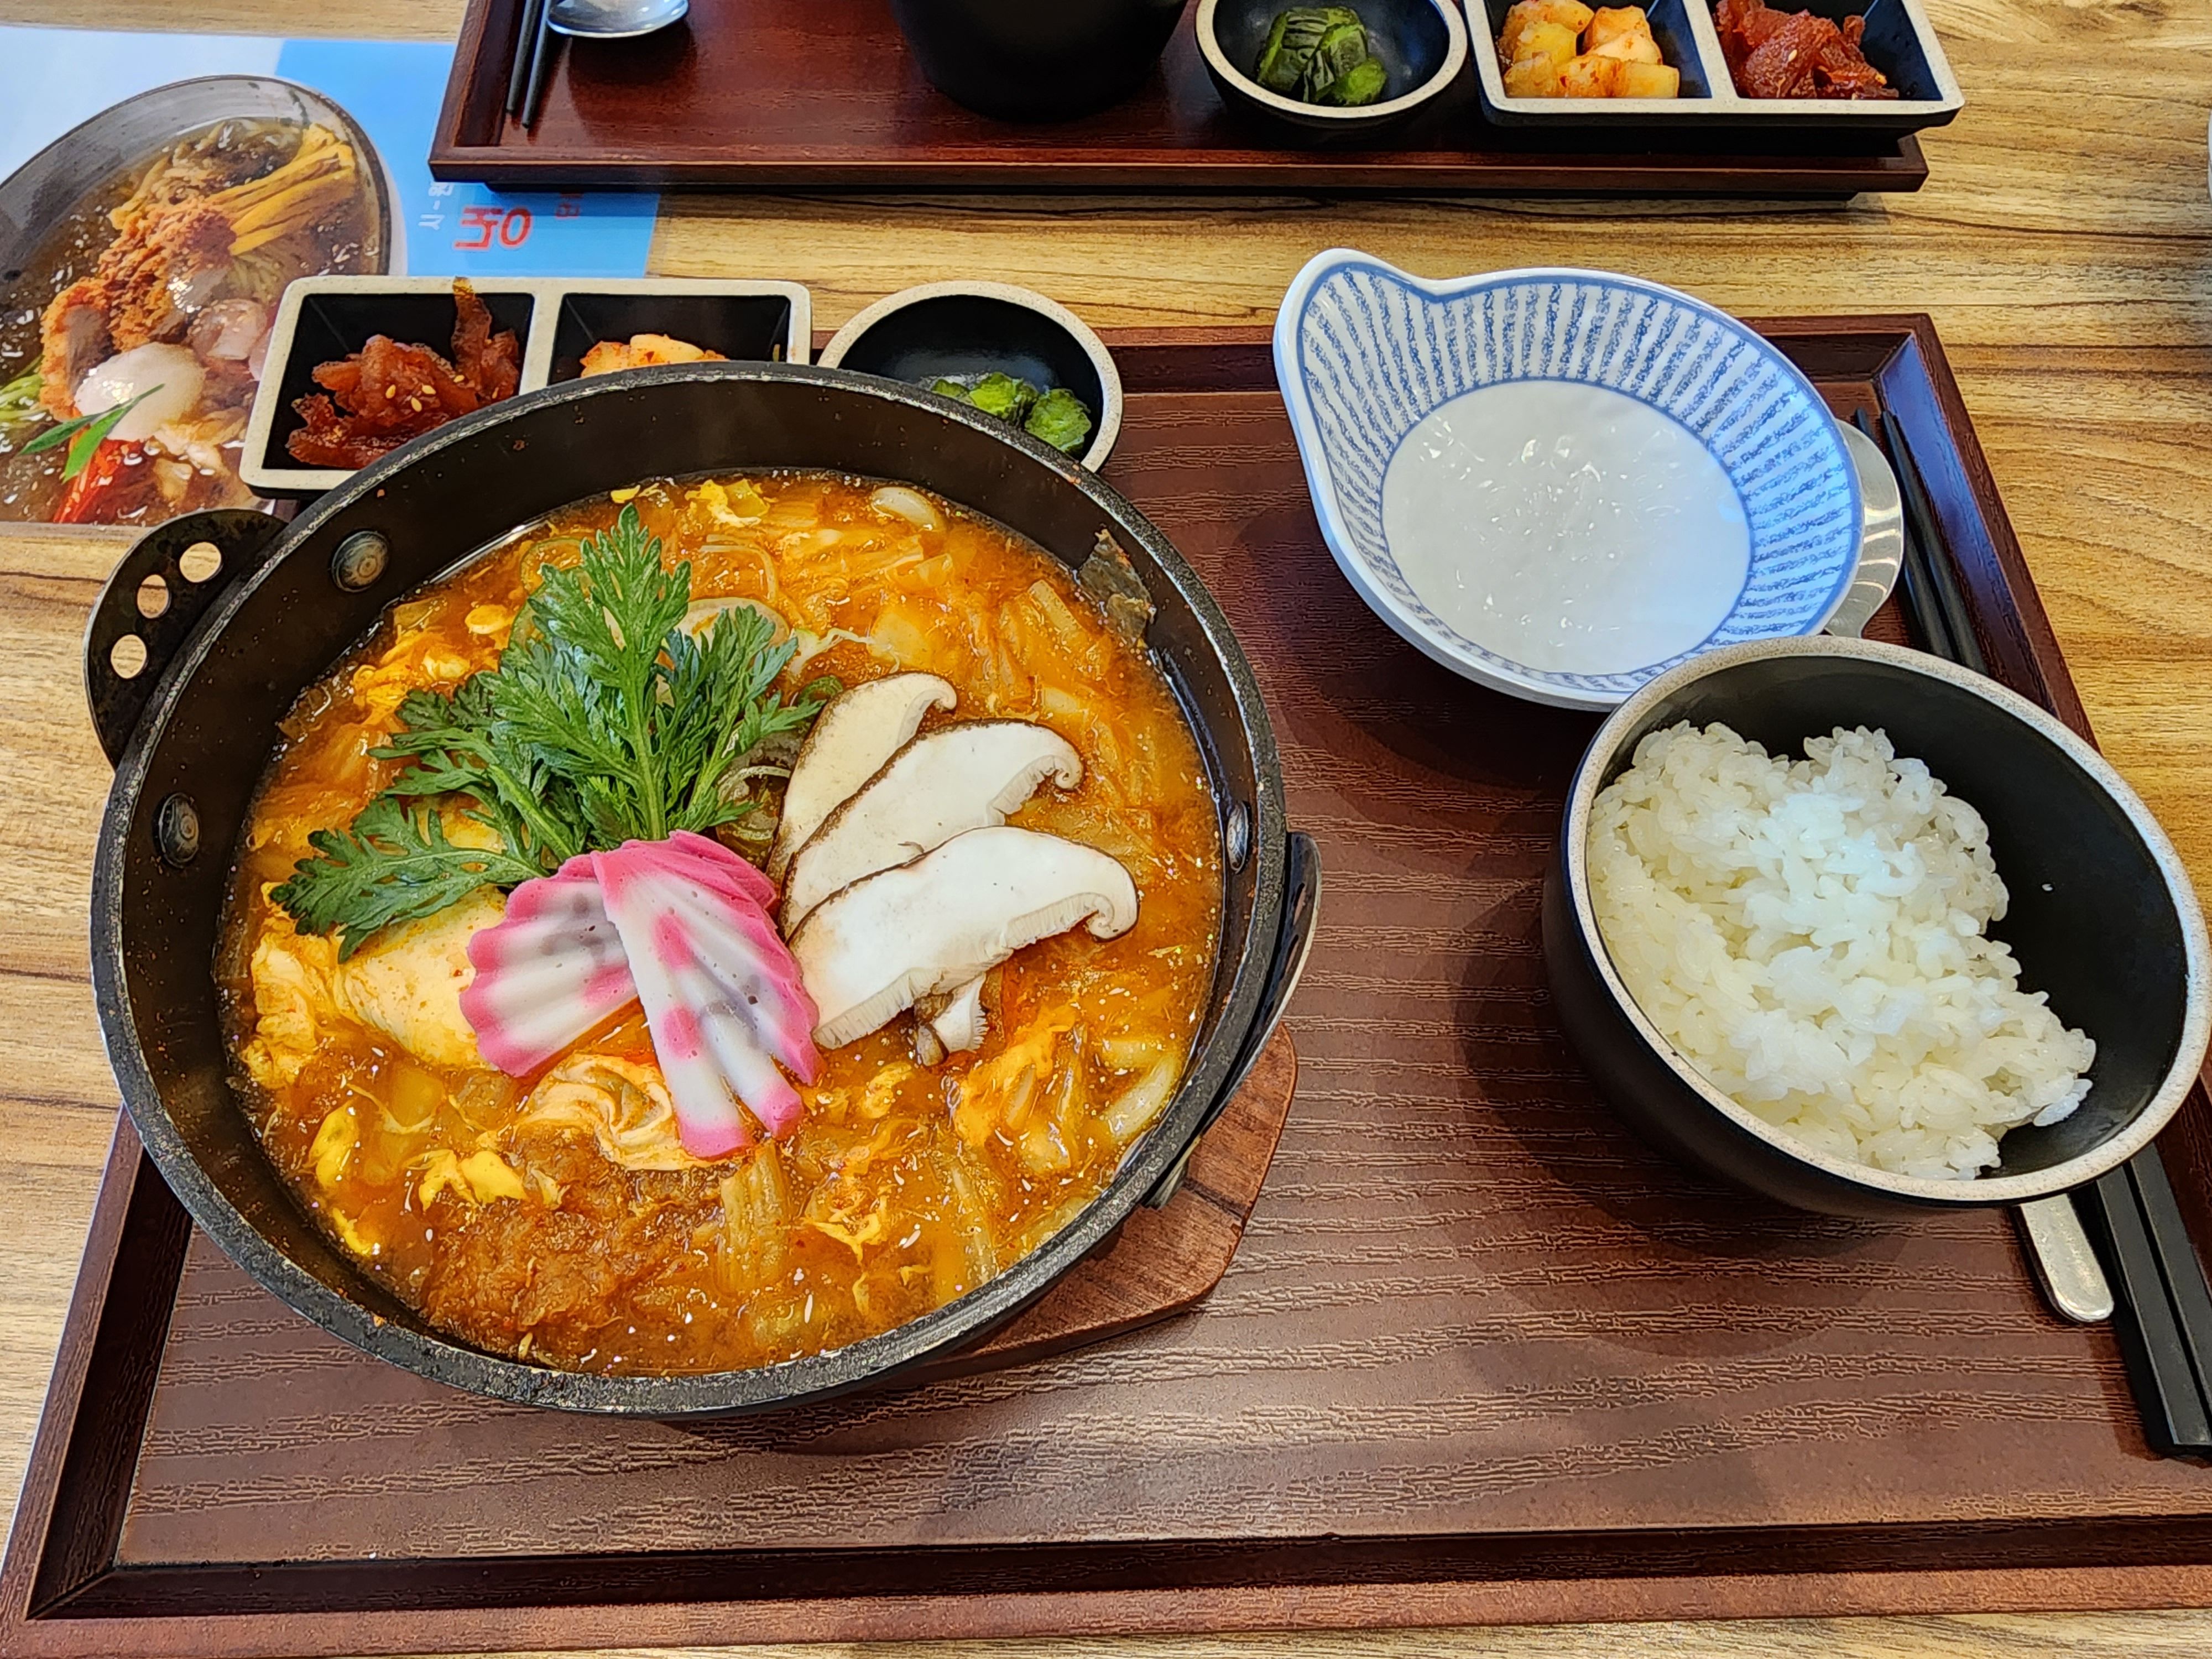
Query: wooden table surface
[{"x": 2063, "y": 244}]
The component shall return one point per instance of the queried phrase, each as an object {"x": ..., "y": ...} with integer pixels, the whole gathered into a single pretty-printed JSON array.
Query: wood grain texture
[
  {"x": 754, "y": 93},
  {"x": 2114, "y": 1636},
  {"x": 1482, "y": 1355},
  {"x": 2063, "y": 244}
]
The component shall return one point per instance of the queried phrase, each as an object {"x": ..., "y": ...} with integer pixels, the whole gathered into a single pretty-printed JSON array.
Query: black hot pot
[{"x": 191, "y": 733}]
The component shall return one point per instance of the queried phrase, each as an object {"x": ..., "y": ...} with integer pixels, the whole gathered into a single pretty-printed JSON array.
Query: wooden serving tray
[
  {"x": 1481, "y": 1356},
  {"x": 822, "y": 94}
]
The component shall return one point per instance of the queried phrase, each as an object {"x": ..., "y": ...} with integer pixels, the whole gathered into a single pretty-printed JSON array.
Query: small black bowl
[
  {"x": 954, "y": 329},
  {"x": 1422, "y": 43},
  {"x": 1036, "y": 60},
  {"x": 2102, "y": 918}
]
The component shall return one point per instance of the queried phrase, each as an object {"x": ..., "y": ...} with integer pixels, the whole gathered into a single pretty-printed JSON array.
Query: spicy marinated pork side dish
[
  {"x": 375, "y": 399},
  {"x": 133, "y": 341},
  {"x": 723, "y": 922}
]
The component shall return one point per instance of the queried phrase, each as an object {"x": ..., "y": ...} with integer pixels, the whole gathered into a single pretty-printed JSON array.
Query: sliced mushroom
[
  {"x": 956, "y": 1017},
  {"x": 851, "y": 739},
  {"x": 870, "y": 951},
  {"x": 963, "y": 777}
]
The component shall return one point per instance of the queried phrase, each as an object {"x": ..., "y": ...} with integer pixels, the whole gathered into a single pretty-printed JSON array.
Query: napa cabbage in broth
[{"x": 565, "y": 1214}]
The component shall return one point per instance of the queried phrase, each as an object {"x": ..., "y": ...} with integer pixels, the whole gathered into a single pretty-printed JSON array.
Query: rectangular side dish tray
[
  {"x": 1900, "y": 41},
  {"x": 1481, "y": 1356},
  {"x": 322, "y": 318},
  {"x": 774, "y": 95}
]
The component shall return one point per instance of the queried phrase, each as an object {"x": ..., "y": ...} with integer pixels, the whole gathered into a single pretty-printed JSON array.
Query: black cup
[{"x": 1036, "y": 60}]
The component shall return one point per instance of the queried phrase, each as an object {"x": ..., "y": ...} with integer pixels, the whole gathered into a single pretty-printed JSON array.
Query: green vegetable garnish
[
  {"x": 393, "y": 864},
  {"x": 603, "y": 722},
  {"x": 1060, "y": 420},
  {"x": 1342, "y": 48},
  {"x": 19, "y": 399},
  {"x": 1275, "y": 70},
  {"x": 1292, "y": 43},
  {"x": 84, "y": 435},
  {"x": 458, "y": 747},
  {"x": 1362, "y": 83},
  {"x": 1319, "y": 55},
  {"x": 1004, "y": 395},
  {"x": 1058, "y": 416}
]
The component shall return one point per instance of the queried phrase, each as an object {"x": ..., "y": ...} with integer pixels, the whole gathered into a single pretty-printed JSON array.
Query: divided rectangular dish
[
  {"x": 322, "y": 318},
  {"x": 1900, "y": 41}
]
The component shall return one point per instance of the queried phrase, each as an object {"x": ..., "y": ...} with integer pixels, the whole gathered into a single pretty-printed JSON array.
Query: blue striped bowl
[{"x": 1411, "y": 401}]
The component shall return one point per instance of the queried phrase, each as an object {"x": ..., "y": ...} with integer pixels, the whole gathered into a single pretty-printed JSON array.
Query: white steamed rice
[{"x": 1813, "y": 937}]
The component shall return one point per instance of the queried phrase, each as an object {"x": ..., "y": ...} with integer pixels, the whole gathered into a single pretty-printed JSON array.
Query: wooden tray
[
  {"x": 1481, "y": 1356},
  {"x": 822, "y": 94}
]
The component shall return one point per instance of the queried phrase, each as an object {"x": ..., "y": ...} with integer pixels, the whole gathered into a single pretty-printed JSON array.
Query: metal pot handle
[
  {"x": 1293, "y": 944},
  {"x": 163, "y": 617}
]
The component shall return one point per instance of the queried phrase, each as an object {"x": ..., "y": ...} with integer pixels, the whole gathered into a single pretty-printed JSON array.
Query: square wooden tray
[
  {"x": 822, "y": 94},
  {"x": 1481, "y": 1356}
]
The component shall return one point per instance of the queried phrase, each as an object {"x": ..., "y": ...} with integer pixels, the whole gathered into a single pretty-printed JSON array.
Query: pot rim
[
  {"x": 2196, "y": 1023},
  {"x": 874, "y": 1360}
]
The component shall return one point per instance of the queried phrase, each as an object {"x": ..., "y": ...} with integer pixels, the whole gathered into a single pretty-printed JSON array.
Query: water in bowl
[{"x": 1566, "y": 527}]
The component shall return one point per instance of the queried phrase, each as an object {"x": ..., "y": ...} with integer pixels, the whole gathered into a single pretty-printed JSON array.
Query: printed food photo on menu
[{"x": 139, "y": 328}]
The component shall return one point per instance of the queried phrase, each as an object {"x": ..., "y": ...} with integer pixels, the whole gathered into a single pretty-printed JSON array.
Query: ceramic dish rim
[
  {"x": 1321, "y": 486},
  {"x": 1457, "y": 48},
  {"x": 832, "y": 355},
  {"x": 2197, "y": 1022}
]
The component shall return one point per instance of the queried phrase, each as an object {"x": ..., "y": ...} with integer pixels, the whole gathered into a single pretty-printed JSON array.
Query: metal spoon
[
  {"x": 2058, "y": 1248},
  {"x": 2066, "y": 1266},
  {"x": 613, "y": 20},
  {"x": 1881, "y": 535}
]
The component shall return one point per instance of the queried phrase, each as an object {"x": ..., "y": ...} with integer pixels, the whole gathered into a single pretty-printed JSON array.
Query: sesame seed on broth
[{"x": 557, "y": 1217}]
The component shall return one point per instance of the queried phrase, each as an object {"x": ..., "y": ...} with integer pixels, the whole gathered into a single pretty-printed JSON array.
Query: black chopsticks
[
  {"x": 2169, "y": 1395},
  {"x": 2162, "y": 1313},
  {"x": 534, "y": 62},
  {"x": 1942, "y": 607},
  {"x": 2177, "y": 1263}
]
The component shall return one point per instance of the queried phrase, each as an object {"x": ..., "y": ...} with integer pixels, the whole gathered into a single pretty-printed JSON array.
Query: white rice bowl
[{"x": 1813, "y": 937}]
